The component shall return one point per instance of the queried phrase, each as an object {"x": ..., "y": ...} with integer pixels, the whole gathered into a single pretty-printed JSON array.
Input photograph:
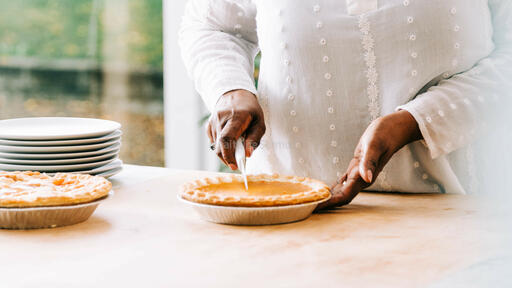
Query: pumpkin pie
[
  {"x": 264, "y": 190},
  {"x": 34, "y": 189}
]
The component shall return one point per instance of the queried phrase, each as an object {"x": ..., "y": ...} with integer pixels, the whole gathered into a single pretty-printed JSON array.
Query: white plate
[
  {"x": 57, "y": 161},
  {"x": 253, "y": 215},
  {"x": 115, "y": 147},
  {"x": 116, "y": 135},
  {"x": 110, "y": 166},
  {"x": 56, "y": 149},
  {"x": 54, "y": 128},
  {"x": 55, "y": 168},
  {"x": 110, "y": 173}
]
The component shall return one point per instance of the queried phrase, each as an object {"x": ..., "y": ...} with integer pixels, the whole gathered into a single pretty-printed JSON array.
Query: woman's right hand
[{"x": 236, "y": 113}]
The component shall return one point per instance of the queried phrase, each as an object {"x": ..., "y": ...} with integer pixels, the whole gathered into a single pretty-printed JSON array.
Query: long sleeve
[
  {"x": 219, "y": 43},
  {"x": 454, "y": 112}
]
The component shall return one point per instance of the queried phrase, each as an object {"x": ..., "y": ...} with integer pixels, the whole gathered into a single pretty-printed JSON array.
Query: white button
[
  {"x": 412, "y": 37},
  {"x": 424, "y": 176},
  {"x": 466, "y": 100},
  {"x": 412, "y": 90},
  {"x": 293, "y": 113},
  {"x": 416, "y": 164},
  {"x": 410, "y": 19},
  {"x": 301, "y": 161},
  {"x": 457, "y": 45},
  {"x": 453, "y": 106},
  {"x": 283, "y": 45},
  {"x": 481, "y": 99},
  {"x": 298, "y": 145},
  {"x": 335, "y": 160},
  {"x": 429, "y": 119},
  {"x": 406, "y": 2},
  {"x": 319, "y": 24},
  {"x": 414, "y": 55},
  {"x": 327, "y": 76},
  {"x": 238, "y": 35},
  {"x": 330, "y": 110},
  {"x": 456, "y": 28},
  {"x": 449, "y": 145},
  {"x": 238, "y": 26},
  {"x": 453, "y": 11},
  {"x": 316, "y": 8},
  {"x": 295, "y": 129},
  {"x": 332, "y": 127},
  {"x": 325, "y": 59},
  {"x": 240, "y": 14},
  {"x": 291, "y": 96},
  {"x": 338, "y": 174},
  {"x": 286, "y": 62},
  {"x": 334, "y": 143},
  {"x": 441, "y": 113},
  {"x": 446, "y": 75},
  {"x": 328, "y": 93},
  {"x": 323, "y": 41},
  {"x": 289, "y": 79},
  {"x": 414, "y": 73},
  {"x": 436, "y": 188}
]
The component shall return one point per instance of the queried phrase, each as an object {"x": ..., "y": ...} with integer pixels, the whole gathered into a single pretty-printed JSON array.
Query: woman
[{"x": 374, "y": 76}]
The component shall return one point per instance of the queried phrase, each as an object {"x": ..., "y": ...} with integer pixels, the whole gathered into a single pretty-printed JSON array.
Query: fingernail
[
  {"x": 232, "y": 166},
  {"x": 370, "y": 175}
]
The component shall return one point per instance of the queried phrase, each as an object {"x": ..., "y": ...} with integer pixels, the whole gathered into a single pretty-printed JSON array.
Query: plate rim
[
  {"x": 33, "y": 168},
  {"x": 106, "y": 155},
  {"x": 115, "y": 170},
  {"x": 61, "y": 142},
  {"x": 89, "y": 171},
  {"x": 78, "y": 153},
  {"x": 59, "y": 137},
  {"x": 67, "y": 148}
]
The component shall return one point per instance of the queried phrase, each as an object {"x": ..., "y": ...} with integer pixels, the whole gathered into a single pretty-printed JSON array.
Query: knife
[{"x": 240, "y": 158}]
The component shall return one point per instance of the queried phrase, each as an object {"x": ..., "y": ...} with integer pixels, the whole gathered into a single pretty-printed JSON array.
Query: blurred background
[{"x": 87, "y": 58}]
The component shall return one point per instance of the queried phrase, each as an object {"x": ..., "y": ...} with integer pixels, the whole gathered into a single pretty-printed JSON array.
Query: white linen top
[{"x": 330, "y": 67}]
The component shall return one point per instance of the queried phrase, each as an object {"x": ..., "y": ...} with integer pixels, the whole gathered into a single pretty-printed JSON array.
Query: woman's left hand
[{"x": 384, "y": 137}]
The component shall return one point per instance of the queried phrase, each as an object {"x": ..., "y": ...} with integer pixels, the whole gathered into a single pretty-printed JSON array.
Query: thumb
[{"x": 369, "y": 163}]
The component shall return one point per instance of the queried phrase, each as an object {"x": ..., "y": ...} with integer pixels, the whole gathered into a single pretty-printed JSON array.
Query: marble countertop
[{"x": 144, "y": 237}]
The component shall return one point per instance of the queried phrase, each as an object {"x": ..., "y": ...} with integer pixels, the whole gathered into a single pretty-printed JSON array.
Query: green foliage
[{"x": 57, "y": 29}]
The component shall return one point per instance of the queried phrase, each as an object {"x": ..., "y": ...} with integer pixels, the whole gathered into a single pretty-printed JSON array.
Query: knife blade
[{"x": 240, "y": 159}]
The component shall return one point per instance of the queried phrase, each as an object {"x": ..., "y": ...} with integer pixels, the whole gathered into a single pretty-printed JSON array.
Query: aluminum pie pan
[
  {"x": 47, "y": 217},
  {"x": 253, "y": 215}
]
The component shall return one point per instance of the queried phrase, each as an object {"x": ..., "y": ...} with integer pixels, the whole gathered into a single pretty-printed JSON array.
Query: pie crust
[
  {"x": 264, "y": 190},
  {"x": 33, "y": 189}
]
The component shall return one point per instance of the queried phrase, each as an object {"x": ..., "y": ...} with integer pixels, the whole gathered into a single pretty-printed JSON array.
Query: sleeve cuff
[{"x": 434, "y": 149}]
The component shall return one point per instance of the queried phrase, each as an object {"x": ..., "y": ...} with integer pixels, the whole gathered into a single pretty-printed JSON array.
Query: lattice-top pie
[
  {"x": 264, "y": 190},
  {"x": 33, "y": 189}
]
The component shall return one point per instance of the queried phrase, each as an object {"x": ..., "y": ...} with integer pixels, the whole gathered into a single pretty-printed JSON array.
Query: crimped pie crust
[
  {"x": 34, "y": 189},
  {"x": 197, "y": 191}
]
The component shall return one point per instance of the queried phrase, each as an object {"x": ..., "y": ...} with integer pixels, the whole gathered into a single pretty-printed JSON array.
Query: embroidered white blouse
[{"x": 330, "y": 67}]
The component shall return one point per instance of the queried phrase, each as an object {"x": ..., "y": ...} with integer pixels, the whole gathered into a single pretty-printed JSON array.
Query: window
[{"x": 87, "y": 58}]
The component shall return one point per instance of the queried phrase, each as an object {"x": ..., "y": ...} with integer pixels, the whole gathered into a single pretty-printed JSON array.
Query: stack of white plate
[{"x": 60, "y": 144}]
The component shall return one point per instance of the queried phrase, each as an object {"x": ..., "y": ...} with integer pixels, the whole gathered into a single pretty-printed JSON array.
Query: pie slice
[
  {"x": 264, "y": 190},
  {"x": 33, "y": 189}
]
